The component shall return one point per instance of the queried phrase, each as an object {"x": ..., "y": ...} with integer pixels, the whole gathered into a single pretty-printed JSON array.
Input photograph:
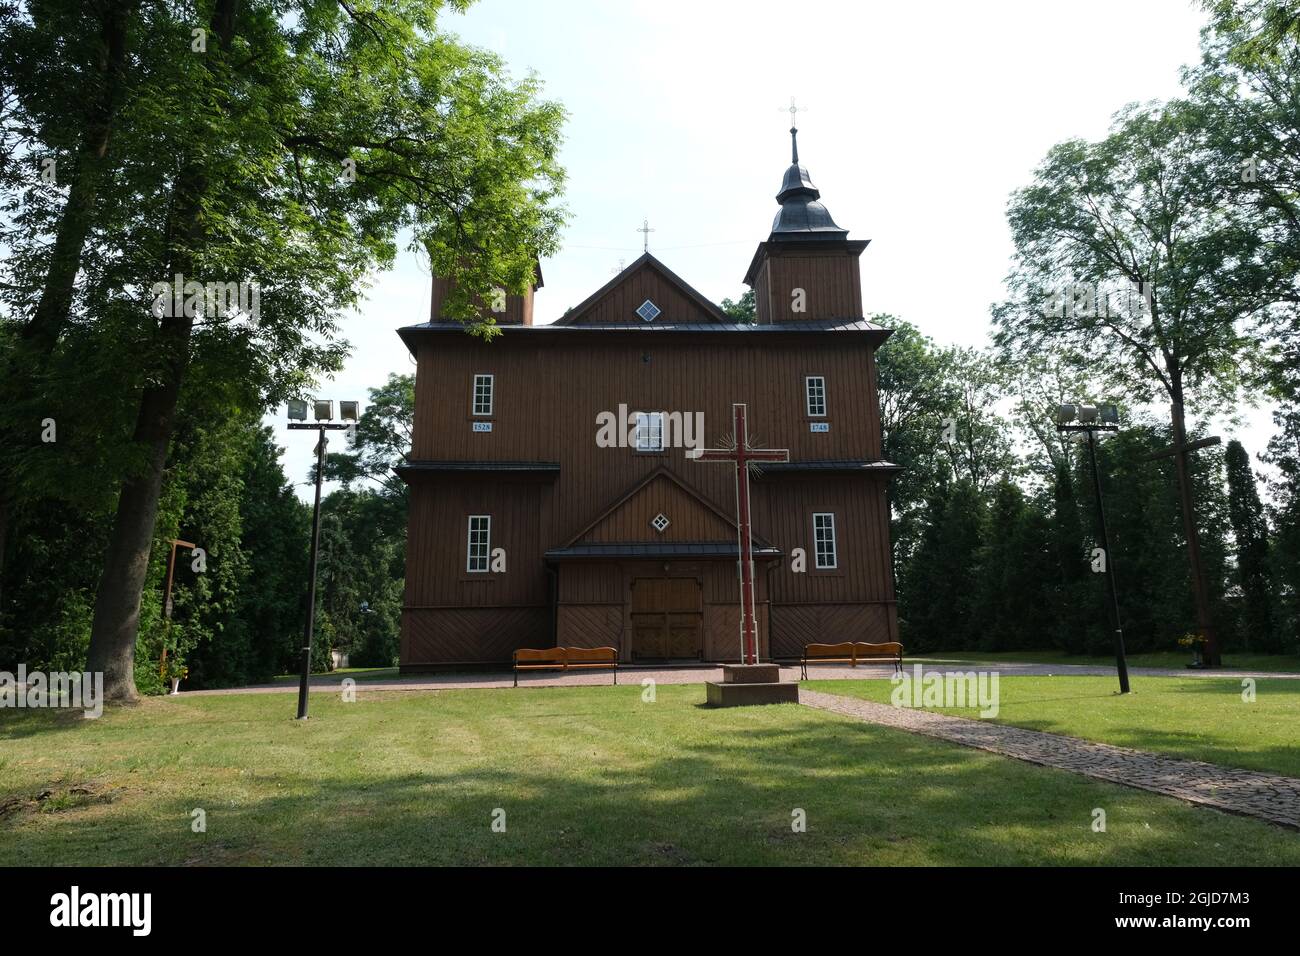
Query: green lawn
[
  {"x": 589, "y": 775},
  {"x": 1200, "y": 718},
  {"x": 1176, "y": 660}
]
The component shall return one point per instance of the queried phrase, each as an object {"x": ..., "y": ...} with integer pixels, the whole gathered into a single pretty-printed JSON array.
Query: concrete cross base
[
  {"x": 751, "y": 673},
  {"x": 746, "y": 684}
]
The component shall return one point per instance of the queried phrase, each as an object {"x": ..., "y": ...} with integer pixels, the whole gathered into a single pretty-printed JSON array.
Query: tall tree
[
  {"x": 1248, "y": 82},
  {"x": 268, "y": 129},
  {"x": 1126, "y": 260}
]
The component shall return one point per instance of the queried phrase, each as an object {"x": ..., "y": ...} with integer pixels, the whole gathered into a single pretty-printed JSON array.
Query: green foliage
[
  {"x": 1250, "y": 537},
  {"x": 742, "y": 310},
  {"x": 1284, "y": 455}
]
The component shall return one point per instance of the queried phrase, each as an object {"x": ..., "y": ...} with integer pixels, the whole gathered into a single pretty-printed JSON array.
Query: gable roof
[
  {"x": 622, "y": 521},
  {"x": 703, "y": 310}
]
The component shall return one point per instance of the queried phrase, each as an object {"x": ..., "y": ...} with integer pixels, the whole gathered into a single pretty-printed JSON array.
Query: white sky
[{"x": 921, "y": 119}]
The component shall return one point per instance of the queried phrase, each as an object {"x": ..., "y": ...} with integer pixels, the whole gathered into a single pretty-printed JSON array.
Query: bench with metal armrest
[{"x": 851, "y": 653}]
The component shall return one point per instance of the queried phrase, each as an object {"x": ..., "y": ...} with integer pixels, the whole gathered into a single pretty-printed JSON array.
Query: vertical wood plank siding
[{"x": 549, "y": 389}]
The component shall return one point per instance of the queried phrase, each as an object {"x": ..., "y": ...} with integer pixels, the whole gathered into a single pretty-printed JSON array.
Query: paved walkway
[
  {"x": 698, "y": 675},
  {"x": 1247, "y": 792}
]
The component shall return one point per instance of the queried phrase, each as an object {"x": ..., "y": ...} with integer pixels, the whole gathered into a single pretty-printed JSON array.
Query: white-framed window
[
  {"x": 478, "y": 544},
  {"x": 824, "y": 541},
  {"x": 483, "y": 388},
  {"x": 815, "y": 387},
  {"x": 649, "y": 435}
]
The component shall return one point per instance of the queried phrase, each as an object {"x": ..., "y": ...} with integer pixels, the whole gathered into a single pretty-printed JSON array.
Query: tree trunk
[
  {"x": 126, "y": 565},
  {"x": 1187, "y": 503},
  {"x": 39, "y": 336}
]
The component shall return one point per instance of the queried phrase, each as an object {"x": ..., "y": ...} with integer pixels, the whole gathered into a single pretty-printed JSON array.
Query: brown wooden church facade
[{"x": 533, "y": 522}]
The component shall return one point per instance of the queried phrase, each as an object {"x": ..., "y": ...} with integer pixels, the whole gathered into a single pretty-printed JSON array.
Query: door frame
[{"x": 667, "y": 570}]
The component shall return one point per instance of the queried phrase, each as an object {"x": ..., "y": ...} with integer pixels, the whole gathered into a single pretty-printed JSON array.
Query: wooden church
[{"x": 552, "y": 500}]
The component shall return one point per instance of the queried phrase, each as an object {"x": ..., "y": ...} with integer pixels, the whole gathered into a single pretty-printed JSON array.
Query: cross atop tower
[
  {"x": 645, "y": 230},
  {"x": 794, "y": 127}
]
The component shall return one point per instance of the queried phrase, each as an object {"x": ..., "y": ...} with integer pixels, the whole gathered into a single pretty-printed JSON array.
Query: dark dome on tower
[{"x": 802, "y": 215}]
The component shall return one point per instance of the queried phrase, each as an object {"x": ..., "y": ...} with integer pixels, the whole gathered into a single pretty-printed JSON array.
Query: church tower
[
  {"x": 808, "y": 267},
  {"x": 510, "y": 309}
]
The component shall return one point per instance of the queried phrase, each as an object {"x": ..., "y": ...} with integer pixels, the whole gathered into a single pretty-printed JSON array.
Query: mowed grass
[
  {"x": 1172, "y": 660},
  {"x": 585, "y": 775},
  {"x": 1198, "y": 718}
]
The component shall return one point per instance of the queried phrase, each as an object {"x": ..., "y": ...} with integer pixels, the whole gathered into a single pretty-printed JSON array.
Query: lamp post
[
  {"x": 323, "y": 413},
  {"x": 1091, "y": 420}
]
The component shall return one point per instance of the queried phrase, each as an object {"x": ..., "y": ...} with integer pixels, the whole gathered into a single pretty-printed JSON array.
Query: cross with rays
[
  {"x": 646, "y": 230},
  {"x": 738, "y": 452}
]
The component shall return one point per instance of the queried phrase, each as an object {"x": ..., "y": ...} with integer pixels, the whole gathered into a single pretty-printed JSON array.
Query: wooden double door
[{"x": 667, "y": 619}]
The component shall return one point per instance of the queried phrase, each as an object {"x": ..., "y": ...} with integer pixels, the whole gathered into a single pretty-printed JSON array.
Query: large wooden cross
[{"x": 742, "y": 456}]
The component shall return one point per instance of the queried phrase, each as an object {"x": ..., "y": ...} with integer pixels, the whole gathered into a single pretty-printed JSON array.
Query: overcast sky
[{"x": 921, "y": 118}]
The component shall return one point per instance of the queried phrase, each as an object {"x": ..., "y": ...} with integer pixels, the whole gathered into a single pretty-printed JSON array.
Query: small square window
[
  {"x": 648, "y": 310},
  {"x": 660, "y": 522}
]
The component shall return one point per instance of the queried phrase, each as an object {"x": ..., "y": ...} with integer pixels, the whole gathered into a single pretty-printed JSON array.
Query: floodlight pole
[
  {"x": 320, "y": 428},
  {"x": 311, "y": 580},
  {"x": 1121, "y": 665}
]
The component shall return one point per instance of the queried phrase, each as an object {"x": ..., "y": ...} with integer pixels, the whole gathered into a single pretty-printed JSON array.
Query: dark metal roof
[
  {"x": 801, "y": 214},
  {"x": 408, "y": 332},
  {"x": 425, "y": 467},
  {"x": 832, "y": 464},
  {"x": 676, "y": 549}
]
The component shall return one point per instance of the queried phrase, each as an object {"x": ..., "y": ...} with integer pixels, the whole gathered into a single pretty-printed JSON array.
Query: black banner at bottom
[{"x": 327, "y": 905}]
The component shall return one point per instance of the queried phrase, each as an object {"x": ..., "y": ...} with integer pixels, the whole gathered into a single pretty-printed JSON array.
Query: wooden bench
[
  {"x": 566, "y": 659},
  {"x": 852, "y": 653}
]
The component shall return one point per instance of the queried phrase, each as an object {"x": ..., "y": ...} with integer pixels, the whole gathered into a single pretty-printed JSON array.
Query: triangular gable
[
  {"x": 690, "y": 516},
  {"x": 617, "y": 301}
]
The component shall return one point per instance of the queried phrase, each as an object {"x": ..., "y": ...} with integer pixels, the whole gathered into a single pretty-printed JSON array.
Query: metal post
[
  {"x": 1121, "y": 664},
  {"x": 311, "y": 581}
]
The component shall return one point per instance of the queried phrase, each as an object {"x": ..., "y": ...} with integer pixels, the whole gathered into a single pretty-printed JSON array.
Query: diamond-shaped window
[
  {"x": 660, "y": 522},
  {"x": 648, "y": 310}
]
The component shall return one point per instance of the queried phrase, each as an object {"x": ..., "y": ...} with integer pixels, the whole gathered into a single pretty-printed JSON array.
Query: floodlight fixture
[
  {"x": 1109, "y": 415},
  {"x": 297, "y": 410},
  {"x": 1088, "y": 414},
  {"x": 348, "y": 411},
  {"x": 1065, "y": 414},
  {"x": 324, "y": 409}
]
